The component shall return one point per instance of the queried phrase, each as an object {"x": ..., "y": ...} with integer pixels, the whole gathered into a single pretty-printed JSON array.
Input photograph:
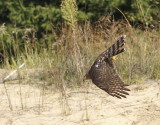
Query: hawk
[{"x": 103, "y": 73}]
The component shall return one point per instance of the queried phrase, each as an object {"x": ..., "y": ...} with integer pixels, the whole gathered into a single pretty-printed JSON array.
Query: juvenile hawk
[{"x": 103, "y": 73}]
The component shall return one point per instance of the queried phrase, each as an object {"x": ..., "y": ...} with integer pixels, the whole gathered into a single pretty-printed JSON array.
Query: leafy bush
[
  {"x": 42, "y": 15},
  {"x": 136, "y": 11},
  {"x": 30, "y": 15}
]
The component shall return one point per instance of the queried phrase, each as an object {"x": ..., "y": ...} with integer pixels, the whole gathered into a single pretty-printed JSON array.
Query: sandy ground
[{"x": 37, "y": 107}]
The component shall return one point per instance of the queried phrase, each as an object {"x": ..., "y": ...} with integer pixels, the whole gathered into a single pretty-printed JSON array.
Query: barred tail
[{"x": 116, "y": 48}]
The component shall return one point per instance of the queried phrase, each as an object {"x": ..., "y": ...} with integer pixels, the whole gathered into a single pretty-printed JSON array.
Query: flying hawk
[{"x": 103, "y": 73}]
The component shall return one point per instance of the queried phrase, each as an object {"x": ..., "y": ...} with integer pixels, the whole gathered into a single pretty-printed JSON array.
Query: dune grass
[{"x": 66, "y": 62}]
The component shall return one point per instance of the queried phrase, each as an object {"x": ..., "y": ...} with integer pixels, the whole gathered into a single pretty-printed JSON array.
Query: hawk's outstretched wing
[{"x": 104, "y": 74}]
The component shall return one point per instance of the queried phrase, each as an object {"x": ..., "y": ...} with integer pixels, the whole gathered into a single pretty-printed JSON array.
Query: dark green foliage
[
  {"x": 137, "y": 11},
  {"x": 33, "y": 15},
  {"x": 42, "y": 14}
]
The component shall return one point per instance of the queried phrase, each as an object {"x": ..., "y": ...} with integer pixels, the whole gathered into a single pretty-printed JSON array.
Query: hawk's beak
[{"x": 84, "y": 78}]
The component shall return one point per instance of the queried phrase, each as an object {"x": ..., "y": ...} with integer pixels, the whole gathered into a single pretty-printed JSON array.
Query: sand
[{"x": 81, "y": 106}]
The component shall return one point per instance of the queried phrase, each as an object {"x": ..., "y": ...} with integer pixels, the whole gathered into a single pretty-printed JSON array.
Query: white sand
[{"x": 142, "y": 106}]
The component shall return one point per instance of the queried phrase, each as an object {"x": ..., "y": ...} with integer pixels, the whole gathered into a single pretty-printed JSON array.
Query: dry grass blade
[{"x": 7, "y": 94}]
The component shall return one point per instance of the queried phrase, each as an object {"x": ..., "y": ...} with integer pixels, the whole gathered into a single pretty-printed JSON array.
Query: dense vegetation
[{"x": 66, "y": 36}]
